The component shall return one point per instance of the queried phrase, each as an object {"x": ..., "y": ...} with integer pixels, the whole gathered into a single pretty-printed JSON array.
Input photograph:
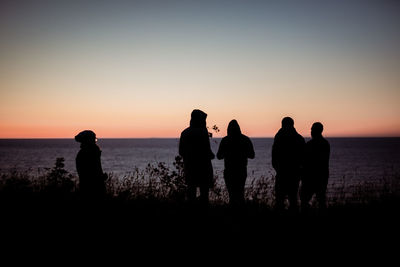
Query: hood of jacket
[
  {"x": 234, "y": 129},
  {"x": 198, "y": 118}
]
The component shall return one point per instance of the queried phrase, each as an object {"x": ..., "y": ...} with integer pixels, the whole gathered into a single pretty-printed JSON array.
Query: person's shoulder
[
  {"x": 325, "y": 141},
  {"x": 278, "y": 134},
  {"x": 93, "y": 151},
  {"x": 224, "y": 139},
  {"x": 185, "y": 131},
  {"x": 301, "y": 138},
  {"x": 320, "y": 140},
  {"x": 83, "y": 153},
  {"x": 246, "y": 138}
]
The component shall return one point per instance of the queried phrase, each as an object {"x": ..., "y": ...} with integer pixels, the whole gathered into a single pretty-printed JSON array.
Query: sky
[{"x": 128, "y": 69}]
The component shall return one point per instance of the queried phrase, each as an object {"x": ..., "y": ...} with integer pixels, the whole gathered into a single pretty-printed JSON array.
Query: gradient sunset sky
[{"x": 138, "y": 68}]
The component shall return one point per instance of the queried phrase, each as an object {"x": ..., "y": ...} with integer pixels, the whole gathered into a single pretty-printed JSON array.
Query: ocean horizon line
[{"x": 219, "y": 137}]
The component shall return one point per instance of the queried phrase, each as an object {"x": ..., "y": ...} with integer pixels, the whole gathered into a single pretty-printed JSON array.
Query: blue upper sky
[{"x": 334, "y": 61}]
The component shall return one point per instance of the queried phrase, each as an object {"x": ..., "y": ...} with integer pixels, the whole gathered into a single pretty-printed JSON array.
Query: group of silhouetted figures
[{"x": 295, "y": 162}]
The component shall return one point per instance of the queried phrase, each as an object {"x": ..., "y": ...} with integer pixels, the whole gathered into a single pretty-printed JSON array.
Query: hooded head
[
  {"x": 86, "y": 137},
  {"x": 234, "y": 128},
  {"x": 287, "y": 123},
  {"x": 198, "y": 118},
  {"x": 316, "y": 129}
]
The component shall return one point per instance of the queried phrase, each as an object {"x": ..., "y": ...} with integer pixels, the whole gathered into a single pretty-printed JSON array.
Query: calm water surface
[{"x": 352, "y": 159}]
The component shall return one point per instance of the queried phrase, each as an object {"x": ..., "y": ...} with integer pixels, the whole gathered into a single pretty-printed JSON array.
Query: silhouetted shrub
[
  {"x": 16, "y": 185},
  {"x": 54, "y": 183},
  {"x": 156, "y": 181},
  {"x": 160, "y": 182},
  {"x": 58, "y": 180},
  {"x": 261, "y": 190}
]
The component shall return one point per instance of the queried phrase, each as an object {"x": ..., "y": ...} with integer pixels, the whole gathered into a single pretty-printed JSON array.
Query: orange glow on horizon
[{"x": 332, "y": 129}]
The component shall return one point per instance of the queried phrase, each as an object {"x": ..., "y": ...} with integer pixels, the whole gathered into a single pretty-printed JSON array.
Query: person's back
[
  {"x": 316, "y": 162},
  {"x": 194, "y": 147},
  {"x": 316, "y": 168},
  {"x": 287, "y": 159},
  {"x": 287, "y": 151},
  {"x": 235, "y": 149}
]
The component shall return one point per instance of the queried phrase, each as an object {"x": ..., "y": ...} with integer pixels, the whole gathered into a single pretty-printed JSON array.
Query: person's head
[
  {"x": 86, "y": 137},
  {"x": 234, "y": 128},
  {"x": 316, "y": 129},
  {"x": 198, "y": 118},
  {"x": 287, "y": 123}
]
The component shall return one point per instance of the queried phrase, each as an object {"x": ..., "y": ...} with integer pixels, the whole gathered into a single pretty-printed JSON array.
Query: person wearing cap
[
  {"x": 287, "y": 159},
  {"x": 235, "y": 149},
  {"x": 88, "y": 165},
  {"x": 195, "y": 150},
  {"x": 316, "y": 169}
]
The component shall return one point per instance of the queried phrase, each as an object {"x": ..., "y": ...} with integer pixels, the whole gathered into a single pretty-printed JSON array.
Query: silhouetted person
[
  {"x": 287, "y": 154},
  {"x": 194, "y": 147},
  {"x": 235, "y": 149},
  {"x": 88, "y": 164},
  {"x": 316, "y": 168}
]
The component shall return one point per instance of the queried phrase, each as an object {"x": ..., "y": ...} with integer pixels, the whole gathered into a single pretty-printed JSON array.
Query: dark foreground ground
[{"x": 159, "y": 231}]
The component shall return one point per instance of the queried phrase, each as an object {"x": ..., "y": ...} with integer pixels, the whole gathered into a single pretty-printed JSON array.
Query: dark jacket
[
  {"x": 235, "y": 149},
  {"x": 88, "y": 165},
  {"x": 316, "y": 163},
  {"x": 288, "y": 151},
  {"x": 194, "y": 147}
]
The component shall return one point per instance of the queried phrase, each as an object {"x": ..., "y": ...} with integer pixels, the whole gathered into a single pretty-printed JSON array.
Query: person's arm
[
  {"x": 274, "y": 155},
  {"x": 212, "y": 155},
  {"x": 181, "y": 147},
  {"x": 104, "y": 175},
  {"x": 328, "y": 152},
  {"x": 302, "y": 151},
  {"x": 250, "y": 149},
  {"x": 96, "y": 164},
  {"x": 79, "y": 165},
  {"x": 221, "y": 150}
]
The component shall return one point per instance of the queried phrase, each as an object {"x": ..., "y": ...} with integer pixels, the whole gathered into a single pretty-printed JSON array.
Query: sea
[{"x": 353, "y": 161}]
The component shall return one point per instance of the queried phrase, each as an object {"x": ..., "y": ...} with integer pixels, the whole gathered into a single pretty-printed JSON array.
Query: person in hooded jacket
[
  {"x": 287, "y": 160},
  {"x": 88, "y": 165},
  {"x": 195, "y": 150},
  {"x": 235, "y": 149}
]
